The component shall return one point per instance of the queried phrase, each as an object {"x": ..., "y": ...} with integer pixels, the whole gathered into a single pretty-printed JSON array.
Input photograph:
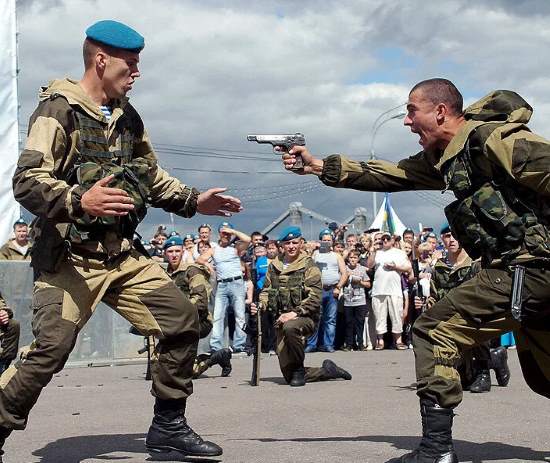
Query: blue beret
[
  {"x": 445, "y": 228},
  {"x": 325, "y": 231},
  {"x": 116, "y": 35},
  {"x": 173, "y": 241},
  {"x": 20, "y": 221},
  {"x": 188, "y": 236},
  {"x": 226, "y": 225},
  {"x": 290, "y": 233}
]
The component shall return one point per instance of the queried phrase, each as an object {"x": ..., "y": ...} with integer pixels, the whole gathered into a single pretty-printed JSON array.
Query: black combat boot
[
  {"x": 333, "y": 371},
  {"x": 169, "y": 431},
  {"x": 222, "y": 358},
  {"x": 298, "y": 377},
  {"x": 499, "y": 363},
  {"x": 482, "y": 382},
  {"x": 436, "y": 445}
]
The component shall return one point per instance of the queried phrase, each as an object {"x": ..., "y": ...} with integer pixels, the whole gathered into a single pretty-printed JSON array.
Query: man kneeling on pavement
[{"x": 292, "y": 291}]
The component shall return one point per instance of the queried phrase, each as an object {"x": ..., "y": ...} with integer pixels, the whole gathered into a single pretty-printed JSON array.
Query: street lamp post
[{"x": 379, "y": 122}]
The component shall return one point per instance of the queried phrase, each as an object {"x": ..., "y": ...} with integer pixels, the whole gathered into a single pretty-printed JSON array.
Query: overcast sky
[{"x": 213, "y": 71}]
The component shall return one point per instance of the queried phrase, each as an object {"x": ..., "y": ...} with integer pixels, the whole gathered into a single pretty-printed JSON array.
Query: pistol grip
[{"x": 299, "y": 164}]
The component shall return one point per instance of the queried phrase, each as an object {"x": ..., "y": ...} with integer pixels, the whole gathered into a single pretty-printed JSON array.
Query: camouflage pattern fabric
[
  {"x": 66, "y": 130},
  {"x": 10, "y": 252},
  {"x": 296, "y": 288},
  {"x": 499, "y": 172},
  {"x": 194, "y": 281}
]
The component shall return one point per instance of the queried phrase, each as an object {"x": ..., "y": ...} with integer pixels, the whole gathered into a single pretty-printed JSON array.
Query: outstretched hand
[{"x": 211, "y": 202}]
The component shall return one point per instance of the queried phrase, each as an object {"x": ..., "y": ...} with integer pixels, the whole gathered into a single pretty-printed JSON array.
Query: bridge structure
[{"x": 297, "y": 213}]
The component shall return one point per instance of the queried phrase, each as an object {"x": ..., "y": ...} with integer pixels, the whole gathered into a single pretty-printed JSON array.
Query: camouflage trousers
[
  {"x": 473, "y": 313},
  {"x": 135, "y": 287},
  {"x": 291, "y": 340}
]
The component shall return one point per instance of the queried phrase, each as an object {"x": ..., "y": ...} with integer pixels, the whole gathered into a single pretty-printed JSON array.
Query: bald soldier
[
  {"x": 292, "y": 292},
  {"x": 498, "y": 170},
  {"x": 88, "y": 172}
]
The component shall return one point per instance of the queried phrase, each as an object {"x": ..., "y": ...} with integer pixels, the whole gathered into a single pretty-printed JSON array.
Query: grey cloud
[{"x": 213, "y": 71}]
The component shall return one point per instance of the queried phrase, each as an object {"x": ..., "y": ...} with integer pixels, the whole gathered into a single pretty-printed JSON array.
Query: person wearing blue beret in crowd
[
  {"x": 292, "y": 292},
  {"x": 88, "y": 173}
]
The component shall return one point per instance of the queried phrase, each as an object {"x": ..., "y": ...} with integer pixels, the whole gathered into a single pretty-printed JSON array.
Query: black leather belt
[
  {"x": 227, "y": 280},
  {"x": 328, "y": 287}
]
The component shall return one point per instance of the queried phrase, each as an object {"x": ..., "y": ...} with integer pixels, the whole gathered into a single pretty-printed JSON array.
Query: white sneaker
[{"x": 369, "y": 347}]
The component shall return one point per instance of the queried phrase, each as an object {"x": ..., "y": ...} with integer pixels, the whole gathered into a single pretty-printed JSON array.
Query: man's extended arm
[{"x": 414, "y": 173}]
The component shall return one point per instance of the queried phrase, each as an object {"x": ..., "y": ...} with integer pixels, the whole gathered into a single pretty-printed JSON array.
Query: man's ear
[
  {"x": 441, "y": 113},
  {"x": 101, "y": 60}
]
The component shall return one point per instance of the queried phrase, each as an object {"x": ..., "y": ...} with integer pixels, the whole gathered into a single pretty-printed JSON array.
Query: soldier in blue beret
[
  {"x": 116, "y": 35},
  {"x": 173, "y": 241},
  {"x": 292, "y": 294},
  {"x": 290, "y": 233},
  {"x": 109, "y": 167}
]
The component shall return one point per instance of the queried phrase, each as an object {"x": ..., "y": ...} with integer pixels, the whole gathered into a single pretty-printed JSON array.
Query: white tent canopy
[{"x": 9, "y": 130}]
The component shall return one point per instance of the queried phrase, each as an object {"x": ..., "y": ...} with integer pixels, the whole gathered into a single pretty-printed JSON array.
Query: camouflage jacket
[
  {"x": 495, "y": 166},
  {"x": 65, "y": 129},
  {"x": 194, "y": 281},
  {"x": 446, "y": 277},
  {"x": 10, "y": 252},
  {"x": 296, "y": 288}
]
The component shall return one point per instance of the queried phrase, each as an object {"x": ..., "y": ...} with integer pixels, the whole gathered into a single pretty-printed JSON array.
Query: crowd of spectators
[{"x": 368, "y": 282}]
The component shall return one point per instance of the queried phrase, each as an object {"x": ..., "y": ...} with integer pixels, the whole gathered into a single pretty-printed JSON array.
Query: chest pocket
[
  {"x": 483, "y": 222},
  {"x": 94, "y": 145},
  {"x": 286, "y": 292}
]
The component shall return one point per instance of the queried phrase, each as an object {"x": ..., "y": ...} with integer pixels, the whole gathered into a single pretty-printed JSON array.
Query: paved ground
[{"x": 101, "y": 414}]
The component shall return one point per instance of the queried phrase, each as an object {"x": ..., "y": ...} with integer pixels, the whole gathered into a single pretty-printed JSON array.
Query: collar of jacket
[
  {"x": 499, "y": 106},
  {"x": 183, "y": 266},
  {"x": 299, "y": 263},
  {"x": 76, "y": 96},
  {"x": 467, "y": 262}
]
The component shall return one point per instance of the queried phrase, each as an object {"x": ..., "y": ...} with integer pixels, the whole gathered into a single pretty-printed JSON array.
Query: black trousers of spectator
[
  {"x": 354, "y": 317},
  {"x": 340, "y": 334}
]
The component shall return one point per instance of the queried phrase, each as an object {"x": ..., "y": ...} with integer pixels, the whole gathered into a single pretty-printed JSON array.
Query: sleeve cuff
[
  {"x": 76, "y": 211},
  {"x": 190, "y": 207},
  {"x": 332, "y": 169}
]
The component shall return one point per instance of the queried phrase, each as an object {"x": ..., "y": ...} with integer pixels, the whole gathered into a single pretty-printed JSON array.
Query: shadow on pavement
[
  {"x": 274, "y": 379},
  {"x": 81, "y": 448},
  {"x": 467, "y": 451}
]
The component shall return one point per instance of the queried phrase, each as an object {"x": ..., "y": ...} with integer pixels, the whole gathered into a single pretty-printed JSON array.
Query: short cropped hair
[
  {"x": 440, "y": 90},
  {"x": 90, "y": 48}
]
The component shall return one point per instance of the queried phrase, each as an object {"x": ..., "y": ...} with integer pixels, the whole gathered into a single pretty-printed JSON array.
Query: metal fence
[{"x": 103, "y": 340}]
